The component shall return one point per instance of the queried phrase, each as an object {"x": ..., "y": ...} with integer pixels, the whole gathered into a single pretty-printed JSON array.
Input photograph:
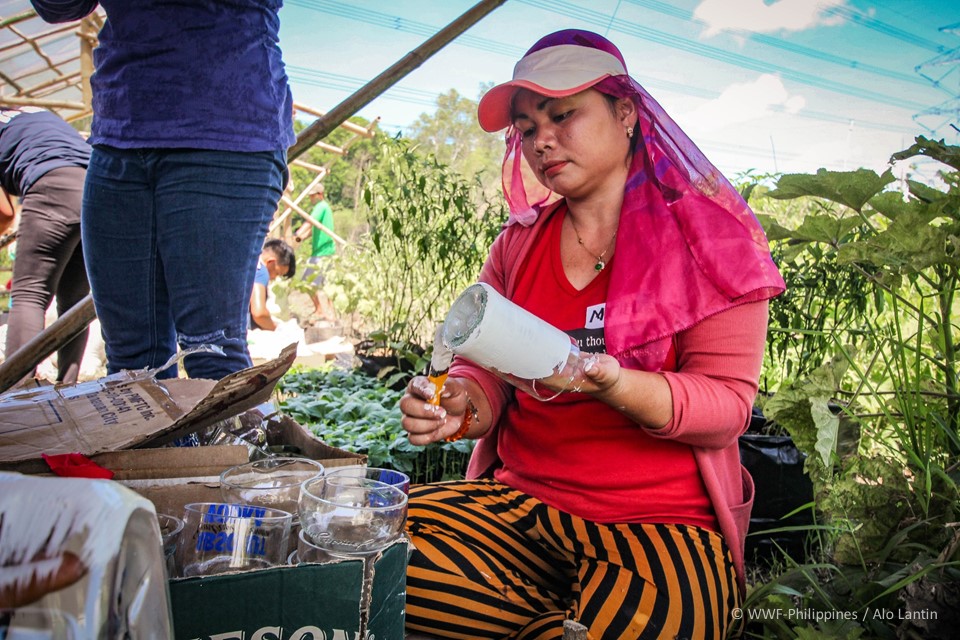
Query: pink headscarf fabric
[{"x": 688, "y": 246}]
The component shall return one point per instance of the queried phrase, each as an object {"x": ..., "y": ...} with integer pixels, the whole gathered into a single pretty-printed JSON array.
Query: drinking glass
[
  {"x": 350, "y": 515},
  {"x": 307, "y": 551},
  {"x": 220, "y": 537},
  {"x": 353, "y": 517},
  {"x": 269, "y": 482},
  {"x": 394, "y": 478},
  {"x": 170, "y": 529}
]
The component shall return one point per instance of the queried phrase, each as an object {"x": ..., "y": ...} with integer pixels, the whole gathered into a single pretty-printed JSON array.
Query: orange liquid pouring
[{"x": 438, "y": 381}]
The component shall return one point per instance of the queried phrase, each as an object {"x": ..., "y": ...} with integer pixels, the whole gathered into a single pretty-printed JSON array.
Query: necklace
[{"x": 600, "y": 263}]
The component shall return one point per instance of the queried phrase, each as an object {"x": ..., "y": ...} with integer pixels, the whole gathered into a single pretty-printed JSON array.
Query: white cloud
[
  {"x": 761, "y": 16},
  {"x": 743, "y": 102}
]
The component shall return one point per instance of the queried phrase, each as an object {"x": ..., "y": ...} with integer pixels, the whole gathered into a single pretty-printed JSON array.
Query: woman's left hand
[{"x": 601, "y": 373}]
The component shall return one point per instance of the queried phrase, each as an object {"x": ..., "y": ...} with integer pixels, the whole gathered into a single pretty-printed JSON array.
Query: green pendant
[{"x": 599, "y": 266}]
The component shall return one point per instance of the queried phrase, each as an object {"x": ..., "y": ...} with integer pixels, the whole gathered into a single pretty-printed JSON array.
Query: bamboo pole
[
  {"x": 52, "y": 83},
  {"x": 87, "y": 44},
  {"x": 50, "y": 104},
  {"x": 308, "y": 165},
  {"x": 278, "y": 220},
  {"x": 322, "y": 127},
  {"x": 352, "y": 127},
  {"x": 68, "y": 326},
  {"x": 43, "y": 35},
  {"x": 10, "y": 81},
  {"x": 23, "y": 362},
  {"x": 306, "y": 216},
  {"x": 36, "y": 47},
  {"x": 80, "y": 115},
  {"x": 19, "y": 17}
]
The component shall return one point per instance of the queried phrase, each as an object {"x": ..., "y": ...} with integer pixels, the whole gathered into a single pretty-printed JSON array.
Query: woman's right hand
[{"x": 425, "y": 422}]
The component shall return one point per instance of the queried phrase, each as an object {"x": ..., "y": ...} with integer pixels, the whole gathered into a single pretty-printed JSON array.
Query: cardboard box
[
  {"x": 124, "y": 411},
  {"x": 174, "y": 476},
  {"x": 116, "y": 420},
  {"x": 309, "y": 601},
  {"x": 282, "y": 603}
]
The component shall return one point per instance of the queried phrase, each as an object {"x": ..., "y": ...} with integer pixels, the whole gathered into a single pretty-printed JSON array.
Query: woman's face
[{"x": 575, "y": 145}]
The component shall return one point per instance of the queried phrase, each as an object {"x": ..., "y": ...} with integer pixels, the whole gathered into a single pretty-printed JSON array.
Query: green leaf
[
  {"x": 849, "y": 188},
  {"x": 923, "y": 192},
  {"x": 827, "y": 425},
  {"x": 891, "y": 204},
  {"x": 936, "y": 149},
  {"x": 825, "y": 228},
  {"x": 773, "y": 229}
]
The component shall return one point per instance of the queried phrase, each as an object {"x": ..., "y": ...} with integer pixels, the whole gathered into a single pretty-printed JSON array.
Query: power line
[
  {"x": 398, "y": 23},
  {"x": 339, "y": 82},
  {"x": 554, "y": 6},
  {"x": 881, "y": 27},
  {"x": 779, "y": 43},
  {"x": 402, "y": 24}
]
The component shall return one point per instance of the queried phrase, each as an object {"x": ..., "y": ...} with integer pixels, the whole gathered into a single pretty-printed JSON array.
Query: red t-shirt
[{"x": 576, "y": 453}]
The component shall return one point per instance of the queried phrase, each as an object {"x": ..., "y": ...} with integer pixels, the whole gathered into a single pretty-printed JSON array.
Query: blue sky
[{"x": 787, "y": 85}]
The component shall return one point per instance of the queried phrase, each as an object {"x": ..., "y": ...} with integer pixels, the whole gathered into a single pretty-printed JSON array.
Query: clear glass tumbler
[{"x": 220, "y": 538}]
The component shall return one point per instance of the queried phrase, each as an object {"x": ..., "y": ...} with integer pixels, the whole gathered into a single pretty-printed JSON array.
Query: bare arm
[
  {"x": 258, "y": 309},
  {"x": 707, "y": 401},
  {"x": 8, "y": 211}
]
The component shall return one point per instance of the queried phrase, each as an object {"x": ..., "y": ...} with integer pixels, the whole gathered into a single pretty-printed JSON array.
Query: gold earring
[{"x": 629, "y": 132}]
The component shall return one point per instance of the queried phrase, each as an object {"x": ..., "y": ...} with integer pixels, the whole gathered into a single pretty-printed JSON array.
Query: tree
[{"x": 454, "y": 137}]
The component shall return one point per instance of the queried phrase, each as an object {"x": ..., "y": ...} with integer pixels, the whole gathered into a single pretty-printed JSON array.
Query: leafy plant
[
  {"x": 882, "y": 352},
  {"x": 352, "y": 411},
  {"x": 426, "y": 244}
]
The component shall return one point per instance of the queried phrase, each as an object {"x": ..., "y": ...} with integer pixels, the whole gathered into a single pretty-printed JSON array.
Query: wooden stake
[
  {"x": 49, "y": 104},
  {"x": 306, "y": 216},
  {"x": 349, "y": 126},
  {"x": 573, "y": 630},
  {"x": 88, "y": 31},
  {"x": 24, "y": 360}
]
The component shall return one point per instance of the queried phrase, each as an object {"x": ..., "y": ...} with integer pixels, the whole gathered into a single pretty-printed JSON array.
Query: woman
[
  {"x": 43, "y": 160},
  {"x": 622, "y": 506},
  {"x": 192, "y": 119}
]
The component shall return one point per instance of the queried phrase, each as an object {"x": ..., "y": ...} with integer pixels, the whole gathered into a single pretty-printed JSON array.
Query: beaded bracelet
[{"x": 469, "y": 417}]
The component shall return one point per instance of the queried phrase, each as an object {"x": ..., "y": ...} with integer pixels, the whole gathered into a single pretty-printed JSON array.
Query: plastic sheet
[
  {"x": 84, "y": 551},
  {"x": 781, "y": 487}
]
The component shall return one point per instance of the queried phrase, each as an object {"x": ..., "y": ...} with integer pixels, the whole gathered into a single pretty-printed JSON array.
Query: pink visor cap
[{"x": 556, "y": 72}]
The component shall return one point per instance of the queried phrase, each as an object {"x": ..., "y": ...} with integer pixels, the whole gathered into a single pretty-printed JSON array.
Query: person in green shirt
[{"x": 323, "y": 247}]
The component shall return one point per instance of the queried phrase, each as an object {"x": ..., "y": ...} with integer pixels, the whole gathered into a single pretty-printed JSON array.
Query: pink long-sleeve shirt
[{"x": 713, "y": 387}]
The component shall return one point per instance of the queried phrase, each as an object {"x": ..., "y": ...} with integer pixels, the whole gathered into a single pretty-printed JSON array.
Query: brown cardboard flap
[
  {"x": 172, "y": 462},
  {"x": 293, "y": 433},
  {"x": 125, "y": 410},
  {"x": 174, "y": 476}
]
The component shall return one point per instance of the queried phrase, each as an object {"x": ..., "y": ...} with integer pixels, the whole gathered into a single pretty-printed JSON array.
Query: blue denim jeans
[{"x": 171, "y": 239}]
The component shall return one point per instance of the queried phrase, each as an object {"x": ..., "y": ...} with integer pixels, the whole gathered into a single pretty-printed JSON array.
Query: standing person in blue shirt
[
  {"x": 43, "y": 161},
  {"x": 192, "y": 119}
]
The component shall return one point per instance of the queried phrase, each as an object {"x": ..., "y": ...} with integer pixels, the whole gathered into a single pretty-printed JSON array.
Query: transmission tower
[{"x": 943, "y": 71}]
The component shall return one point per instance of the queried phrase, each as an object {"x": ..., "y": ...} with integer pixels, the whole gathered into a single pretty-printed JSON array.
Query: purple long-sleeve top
[{"x": 204, "y": 74}]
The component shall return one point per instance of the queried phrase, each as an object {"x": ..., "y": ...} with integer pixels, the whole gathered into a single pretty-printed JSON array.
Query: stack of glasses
[{"x": 278, "y": 510}]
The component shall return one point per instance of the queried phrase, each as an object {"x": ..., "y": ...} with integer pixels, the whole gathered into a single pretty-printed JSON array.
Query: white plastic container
[{"x": 500, "y": 336}]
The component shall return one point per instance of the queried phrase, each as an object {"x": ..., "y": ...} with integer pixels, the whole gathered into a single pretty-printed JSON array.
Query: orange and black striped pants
[{"x": 491, "y": 562}]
